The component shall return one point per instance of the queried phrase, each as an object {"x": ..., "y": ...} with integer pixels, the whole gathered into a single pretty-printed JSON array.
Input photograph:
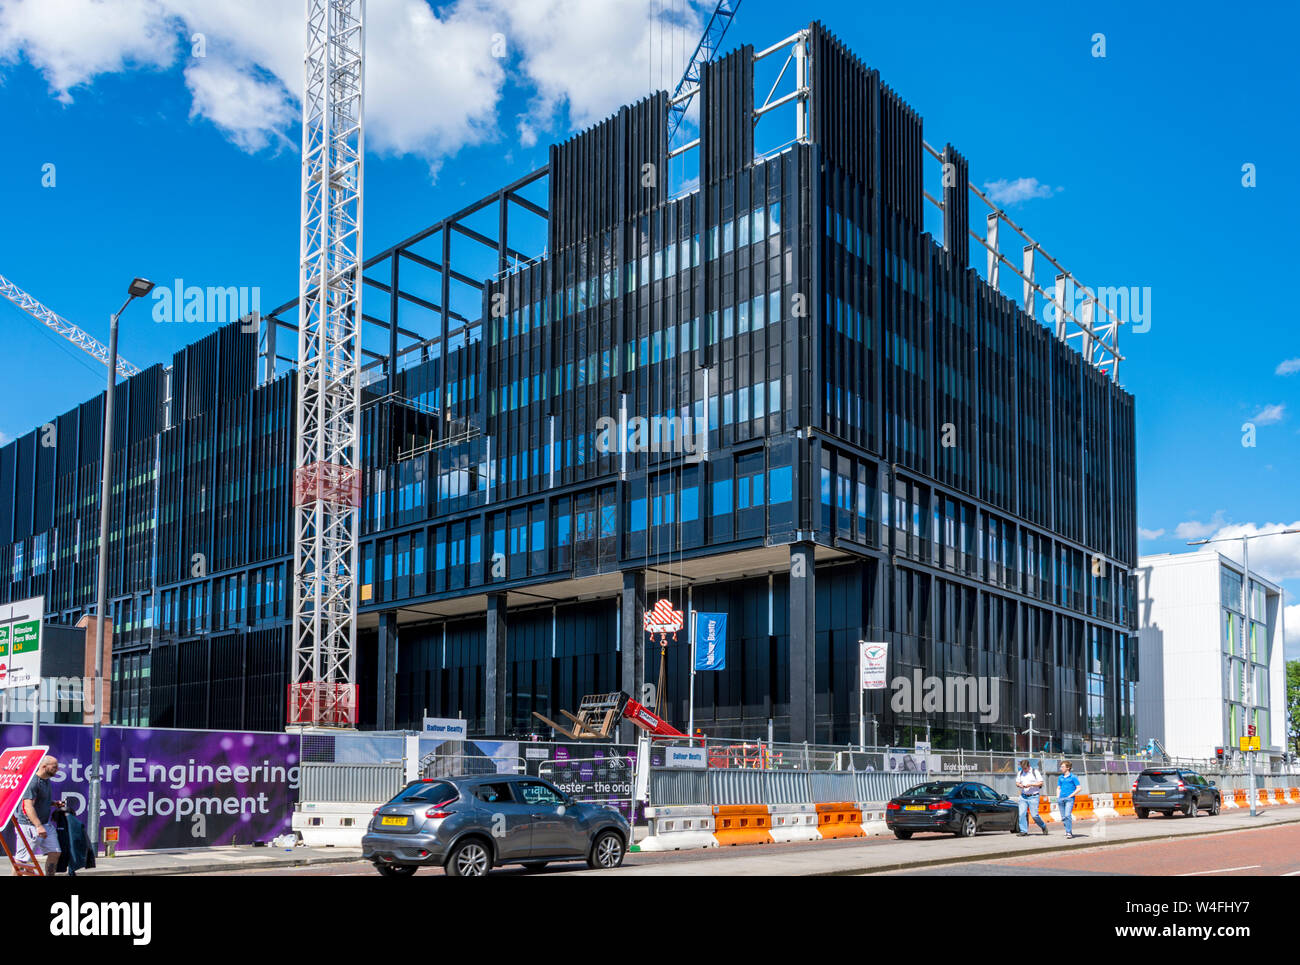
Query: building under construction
[{"x": 826, "y": 424}]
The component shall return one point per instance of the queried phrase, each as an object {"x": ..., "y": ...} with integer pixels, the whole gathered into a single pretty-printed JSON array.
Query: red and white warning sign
[
  {"x": 17, "y": 768},
  {"x": 662, "y": 618}
]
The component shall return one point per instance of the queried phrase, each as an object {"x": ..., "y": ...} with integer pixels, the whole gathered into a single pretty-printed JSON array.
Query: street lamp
[
  {"x": 1249, "y": 675},
  {"x": 1030, "y": 732},
  {"x": 138, "y": 288}
]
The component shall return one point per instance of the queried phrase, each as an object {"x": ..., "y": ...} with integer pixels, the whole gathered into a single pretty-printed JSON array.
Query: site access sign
[
  {"x": 17, "y": 768},
  {"x": 20, "y": 643}
]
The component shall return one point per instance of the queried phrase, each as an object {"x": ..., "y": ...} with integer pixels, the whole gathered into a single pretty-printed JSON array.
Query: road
[
  {"x": 1230, "y": 844},
  {"x": 1258, "y": 851}
]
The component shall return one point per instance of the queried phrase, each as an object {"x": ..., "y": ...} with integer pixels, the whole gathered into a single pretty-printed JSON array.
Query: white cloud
[
  {"x": 1276, "y": 557},
  {"x": 1150, "y": 533},
  {"x": 1004, "y": 192},
  {"x": 1288, "y": 367},
  {"x": 594, "y": 55},
  {"x": 1269, "y": 414},
  {"x": 1194, "y": 529},
  {"x": 433, "y": 84},
  {"x": 72, "y": 41},
  {"x": 253, "y": 111}
]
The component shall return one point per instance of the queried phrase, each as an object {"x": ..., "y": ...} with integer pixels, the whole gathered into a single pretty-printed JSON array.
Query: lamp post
[
  {"x": 1030, "y": 732},
  {"x": 138, "y": 288},
  {"x": 1248, "y": 675}
]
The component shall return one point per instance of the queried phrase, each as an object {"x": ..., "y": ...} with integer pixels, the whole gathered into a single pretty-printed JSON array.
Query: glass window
[
  {"x": 535, "y": 792},
  {"x": 781, "y": 483},
  {"x": 721, "y": 496}
]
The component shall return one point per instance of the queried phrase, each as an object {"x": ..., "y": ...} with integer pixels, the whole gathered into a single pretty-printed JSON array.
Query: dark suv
[
  {"x": 470, "y": 824},
  {"x": 1170, "y": 789}
]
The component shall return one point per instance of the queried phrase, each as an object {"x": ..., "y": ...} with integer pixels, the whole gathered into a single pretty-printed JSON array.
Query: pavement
[
  {"x": 194, "y": 861},
  {"x": 853, "y": 856}
]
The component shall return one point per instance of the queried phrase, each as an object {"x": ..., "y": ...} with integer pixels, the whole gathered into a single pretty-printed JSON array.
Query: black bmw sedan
[{"x": 963, "y": 808}]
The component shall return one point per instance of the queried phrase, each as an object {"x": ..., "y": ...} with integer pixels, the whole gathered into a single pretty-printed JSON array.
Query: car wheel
[
  {"x": 967, "y": 827},
  {"x": 469, "y": 859},
  {"x": 1214, "y": 808},
  {"x": 1141, "y": 812},
  {"x": 606, "y": 851},
  {"x": 1190, "y": 808},
  {"x": 395, "y": 870},
  {"x": 901, "y": 834}
]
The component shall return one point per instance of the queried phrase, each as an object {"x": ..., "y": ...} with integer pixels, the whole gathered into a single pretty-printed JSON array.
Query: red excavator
[{"x": 599, "y": 713}]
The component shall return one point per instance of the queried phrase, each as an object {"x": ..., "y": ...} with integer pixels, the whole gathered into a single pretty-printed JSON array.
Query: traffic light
[{"x": 1218, "y": 754}]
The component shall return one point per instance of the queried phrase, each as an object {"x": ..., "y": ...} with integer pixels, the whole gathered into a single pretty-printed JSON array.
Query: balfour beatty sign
[
  {"x": 448, "y": 728},
  {"x": 20, "y": 642}
]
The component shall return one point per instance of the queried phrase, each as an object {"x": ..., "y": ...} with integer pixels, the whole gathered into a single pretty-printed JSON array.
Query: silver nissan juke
[{"x": 471, "y": 824}]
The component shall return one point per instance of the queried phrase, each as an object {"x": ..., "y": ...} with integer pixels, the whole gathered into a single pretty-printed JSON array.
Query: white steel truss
[
  {"x": 83, "y": 340},
  {"x": 1098, "y": 339},
  {"x": 327, "y": 479}
]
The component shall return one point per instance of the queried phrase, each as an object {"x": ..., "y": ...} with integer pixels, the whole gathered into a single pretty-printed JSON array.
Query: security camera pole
[{"x": 138, "y": 288}]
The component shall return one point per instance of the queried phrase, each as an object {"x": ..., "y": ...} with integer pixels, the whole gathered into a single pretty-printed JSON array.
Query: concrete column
[
  {"x": 803, "y": 642},
  {"x": 631, "y": 635},
  {"x": 496, "y": 669},
  {"x": 386, "y": 696}
]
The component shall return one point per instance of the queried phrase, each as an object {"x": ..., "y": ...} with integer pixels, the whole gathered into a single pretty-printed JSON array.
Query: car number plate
[
  {"x": 1157, "y": 792},
  {"x": 914, "y": 807},
  {"x": 393, "y": 822}
]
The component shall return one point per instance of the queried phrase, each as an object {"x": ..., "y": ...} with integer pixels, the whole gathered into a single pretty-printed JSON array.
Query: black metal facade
[{"x": 964, "y": 480}]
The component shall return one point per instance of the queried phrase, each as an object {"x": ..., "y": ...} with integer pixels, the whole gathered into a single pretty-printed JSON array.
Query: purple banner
[{"x": 176, "y": 788}]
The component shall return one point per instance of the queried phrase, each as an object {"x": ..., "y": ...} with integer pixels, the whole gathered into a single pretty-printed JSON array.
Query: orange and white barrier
[
  {"x": 742, "y": 824},
  {"x": 678, "y": 828},
  {"x": 681, "y": 827},
  {"x": 795, "y": 822},
  {"x": 839, "y": 820}
]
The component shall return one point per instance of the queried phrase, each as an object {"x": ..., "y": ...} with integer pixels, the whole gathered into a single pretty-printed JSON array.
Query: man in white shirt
[{"x": 1030, "y": 782}]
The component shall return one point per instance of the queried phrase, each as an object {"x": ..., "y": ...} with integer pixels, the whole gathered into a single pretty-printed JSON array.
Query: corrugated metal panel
[
  {"x": 832, "y": 786},
  {"x": 728, "y": 786},
  {"x": 883, "y": 785},
  {"x": 676, "y": 786},
  {"x": 350, "y": 783}
]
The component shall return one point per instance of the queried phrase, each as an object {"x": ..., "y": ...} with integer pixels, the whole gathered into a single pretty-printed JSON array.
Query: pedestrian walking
[
  {"x": 36, "y": 817},
  {"x": 1067, "y": 786},
  {"x": 1030, "y": 781}
]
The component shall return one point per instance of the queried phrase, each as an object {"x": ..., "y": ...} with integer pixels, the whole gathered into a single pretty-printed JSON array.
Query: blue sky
[{"x": 1127, "y": 168}]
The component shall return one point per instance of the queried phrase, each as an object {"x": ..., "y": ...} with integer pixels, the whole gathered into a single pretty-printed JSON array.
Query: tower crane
[
  {"x": 52, "y": 319},
  {"x": 327, "y": 477},
  {"x": 723, "y": 13}
]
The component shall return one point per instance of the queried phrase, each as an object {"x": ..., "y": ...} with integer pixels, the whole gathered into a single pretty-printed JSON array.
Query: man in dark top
[{"x": 35, "y": 818}]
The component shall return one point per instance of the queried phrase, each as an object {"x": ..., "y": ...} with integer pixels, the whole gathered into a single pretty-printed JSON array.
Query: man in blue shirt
[{"x": 1067, "y": 786}]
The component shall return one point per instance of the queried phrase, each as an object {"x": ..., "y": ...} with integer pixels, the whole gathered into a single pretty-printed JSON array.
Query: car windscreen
[
  {"x": 427, "y": 792},
  {"x": 1158, "y": 779},
  {"x": 933, "y": 789}
]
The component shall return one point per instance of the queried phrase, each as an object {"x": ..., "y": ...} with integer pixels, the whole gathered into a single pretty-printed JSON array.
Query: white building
[{"x": 1191, "y": 691}]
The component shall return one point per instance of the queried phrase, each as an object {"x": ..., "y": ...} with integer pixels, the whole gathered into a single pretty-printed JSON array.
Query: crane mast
[{"x": 327, "y": 477}]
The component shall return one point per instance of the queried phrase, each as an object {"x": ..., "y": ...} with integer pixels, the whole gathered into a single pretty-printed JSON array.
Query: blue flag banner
[{"x": 710, "y": 641}]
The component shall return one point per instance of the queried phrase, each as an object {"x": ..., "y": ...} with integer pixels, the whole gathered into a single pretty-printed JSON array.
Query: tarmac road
[{"x": 1231, "y": 843}]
